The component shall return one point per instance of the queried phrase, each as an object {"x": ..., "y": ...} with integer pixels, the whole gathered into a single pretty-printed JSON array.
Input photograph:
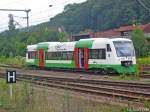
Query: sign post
[
  {"x": 10, "y": 79},
  {"x": 11, "y": 90}
]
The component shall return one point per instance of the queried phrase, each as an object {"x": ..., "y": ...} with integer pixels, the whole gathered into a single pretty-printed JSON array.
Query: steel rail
[{"x": 85, "y": 88}]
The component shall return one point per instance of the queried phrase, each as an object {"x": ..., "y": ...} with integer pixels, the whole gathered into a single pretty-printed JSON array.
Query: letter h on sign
[{"x": 11, "y": 77}]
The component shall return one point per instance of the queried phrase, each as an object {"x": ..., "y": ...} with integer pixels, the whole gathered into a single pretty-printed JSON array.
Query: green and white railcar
[
  {"x": 100, "y": 54},
  {"x": 51, "y": 54},
  {"x": 30, "y": 55}
]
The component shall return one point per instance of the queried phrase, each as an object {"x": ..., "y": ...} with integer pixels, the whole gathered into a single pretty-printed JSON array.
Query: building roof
[
  {"x": 132, "y": 27},
  {"x": 109, "y": 33},
  {"x": 113, "y": 32}
]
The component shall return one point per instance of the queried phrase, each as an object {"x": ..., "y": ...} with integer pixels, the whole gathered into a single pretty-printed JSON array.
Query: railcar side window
[
  {"x": 31, "y": 55},
  {"x": 66, "y": 55},
  {"x": 48, "y": 55},
  {"x": 97, "y": 54},
  {"x": 69, "y": 55},
  {"x": 102, "y": 54}
]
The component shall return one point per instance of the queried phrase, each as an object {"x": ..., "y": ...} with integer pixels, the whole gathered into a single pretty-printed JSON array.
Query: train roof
[
  {"x": 32, "y": 47},
  {"x": 53, "y": 46},
  {"x": 82, "y": 43},
  {"x": 47, "y": 43},
  {"x": 62, "y": 46},
  {"x": 120, "y": 39}
]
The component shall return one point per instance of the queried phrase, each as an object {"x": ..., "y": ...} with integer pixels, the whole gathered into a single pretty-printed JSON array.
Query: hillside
[
  {"x": 101, "y": 15},
  {"x": 96, "y": 15}
]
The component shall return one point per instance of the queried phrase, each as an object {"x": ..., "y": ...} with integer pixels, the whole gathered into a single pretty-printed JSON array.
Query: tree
[
  {"x": 32, "y": 39},
  {"x": 140, "y": 42},
  {"x": 63, "y": 37},
  {"x": 101, "y": 15},
  {"x": 11, "y": 24}
]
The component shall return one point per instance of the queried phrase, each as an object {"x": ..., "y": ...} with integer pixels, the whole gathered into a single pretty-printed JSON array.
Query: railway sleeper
[{"x": 96, "y": 92}]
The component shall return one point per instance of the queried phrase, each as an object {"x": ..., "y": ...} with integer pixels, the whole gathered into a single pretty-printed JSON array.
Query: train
[{"x": 104, "y": 55}]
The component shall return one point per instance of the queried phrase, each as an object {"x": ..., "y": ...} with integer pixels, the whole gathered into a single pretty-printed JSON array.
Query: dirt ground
[{"x": 2, "y": 110}]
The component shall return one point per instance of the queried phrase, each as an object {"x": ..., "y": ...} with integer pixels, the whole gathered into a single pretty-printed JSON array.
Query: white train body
[{"x": 101, "y": 54}]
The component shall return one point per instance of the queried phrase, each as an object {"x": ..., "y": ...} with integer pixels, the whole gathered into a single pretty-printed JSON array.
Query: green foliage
[
  {"x": 94, "y": 15},
  {"x": 15, "y": 45},
  {"x": 17, "y": 61},
  {"x": 20, "y": 99},
  {"x": 11, "y": 23},
  {"x": 28, "y": 98},
  {"x": 140, "y": 43},
  {"x": 147, "y": 104},
  {"x": 101, "y": 15},
  {"x": 63, "y": 37},
  {"x": 143, "y": 61},
  {"x": 124, "y": 77}
]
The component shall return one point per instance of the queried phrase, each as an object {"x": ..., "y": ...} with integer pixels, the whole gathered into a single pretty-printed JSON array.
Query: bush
[
  {"x": 143, "y": 61},
  {"x": 17, "y": 61},
  {"x": 140, "y": 43}
]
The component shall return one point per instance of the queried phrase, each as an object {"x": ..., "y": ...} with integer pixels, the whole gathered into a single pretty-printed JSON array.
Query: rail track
[
  {"x": 145, "y": 67},
  {"x": 145, "y": 76},
  {"x": 113, "y": 89},
  {"x": 143, "y": 70}
]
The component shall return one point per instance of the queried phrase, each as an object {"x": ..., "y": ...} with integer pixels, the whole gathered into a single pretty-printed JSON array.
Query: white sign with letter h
[{"x": 11, "y": 76}]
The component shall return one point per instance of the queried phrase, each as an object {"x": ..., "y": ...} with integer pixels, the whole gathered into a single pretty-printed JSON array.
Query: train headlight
[{"x": 126, "y": 63}]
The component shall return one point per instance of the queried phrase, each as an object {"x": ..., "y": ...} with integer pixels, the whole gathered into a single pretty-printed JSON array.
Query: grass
[
  {"x": 140, "y": 61},
  {"x": 125, "y": 78},
  {"x": 143, "y": 61},
  {"x": 128, "y": 78},
  {"x": 17, "y": 61},
  {"x": 28, "y": 99}
]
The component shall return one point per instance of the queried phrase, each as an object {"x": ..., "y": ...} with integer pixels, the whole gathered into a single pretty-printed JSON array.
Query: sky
[{"x": 40, "y": 11}]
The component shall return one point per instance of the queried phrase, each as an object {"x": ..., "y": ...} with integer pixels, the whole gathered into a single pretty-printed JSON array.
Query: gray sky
[{"x": 40, "y": 10}]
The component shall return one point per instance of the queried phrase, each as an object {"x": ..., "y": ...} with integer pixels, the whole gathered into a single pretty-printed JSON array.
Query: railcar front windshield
[{"x": 124, "y": 48}]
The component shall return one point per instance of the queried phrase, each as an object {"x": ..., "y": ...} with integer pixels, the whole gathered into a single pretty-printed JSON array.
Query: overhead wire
[
  {"x": 13, "y": 2},
  {"x": 57, "y": 6},
  {"x": 40, "y": 19},
  {"x": 40, "y": 12}
]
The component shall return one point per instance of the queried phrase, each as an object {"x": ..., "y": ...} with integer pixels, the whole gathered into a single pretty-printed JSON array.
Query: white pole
[{"x": 11, "y": 91}]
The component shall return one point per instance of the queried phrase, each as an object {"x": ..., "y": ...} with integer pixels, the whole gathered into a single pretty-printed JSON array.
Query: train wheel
[
  {"x": 104, "y": 71},
  {"x": 96, "y": 72}
]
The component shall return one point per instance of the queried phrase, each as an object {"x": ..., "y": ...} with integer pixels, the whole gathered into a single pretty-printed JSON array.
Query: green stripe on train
[
  {"x": 84, "y": 44},
  {"x": 43, "y": 46},
  {"x": 61, "y": 65},
  {"x": 117, "y": 68}
]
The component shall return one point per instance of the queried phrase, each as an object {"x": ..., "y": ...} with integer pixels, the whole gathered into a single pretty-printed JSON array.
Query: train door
[
  {"x": 41, "y": 58},
  {"x": 85, "y": 58},
  {"x": 76, "y": 57},
  {"x": 81, "y": 58}
]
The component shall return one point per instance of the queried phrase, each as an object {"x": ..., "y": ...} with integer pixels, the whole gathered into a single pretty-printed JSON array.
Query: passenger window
[
  {"x": 65, "y": 55},
  {"x": 31, "y": 55},
  {"x": 97, "y": 54},
  {"x": 108, "y": 48}
]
